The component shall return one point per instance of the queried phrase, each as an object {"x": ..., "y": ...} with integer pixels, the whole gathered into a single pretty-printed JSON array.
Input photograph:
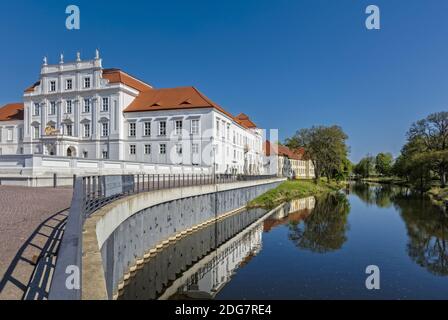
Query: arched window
[{"x": 71, "y": 152}]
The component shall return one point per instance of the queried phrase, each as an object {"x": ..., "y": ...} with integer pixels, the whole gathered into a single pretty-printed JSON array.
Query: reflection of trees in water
[
  {"x": 426, "y": 224},
  {"x": 325, "y": 228},
  {"x": 379, "y": 195},
  {"x": 427, "y": 228}
]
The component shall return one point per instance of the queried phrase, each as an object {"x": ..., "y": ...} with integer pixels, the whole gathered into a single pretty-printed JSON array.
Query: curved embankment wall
[{"x": 120, "y": 236}]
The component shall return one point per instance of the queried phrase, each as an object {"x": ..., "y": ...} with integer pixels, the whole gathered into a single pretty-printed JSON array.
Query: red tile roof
[
  {"x": 31, "y": 88},
  {"x": 119, "y": 76},
  {"x": 270, "y": 148},
  {"x": 244, "y": 120},
  {"x": 11, "y": 111},
  {"x": 171, "y": 99}
]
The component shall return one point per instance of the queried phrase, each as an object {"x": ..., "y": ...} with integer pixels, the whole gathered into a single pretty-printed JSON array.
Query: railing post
[
  {"x": 100, "y": 186},
  {"x": 54, "y": 180},
  {"x": 94, "y": 186}
]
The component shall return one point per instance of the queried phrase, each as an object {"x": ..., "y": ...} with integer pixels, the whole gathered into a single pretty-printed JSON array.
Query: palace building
[
  {"x": 284, "y": 162},
  {"x": 81, "y": 110}
]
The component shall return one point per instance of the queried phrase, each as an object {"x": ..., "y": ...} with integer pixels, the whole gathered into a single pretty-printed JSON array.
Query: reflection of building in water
[
  {"x": 198, "y": 265},
  {"x": 293, "y": 211},
  {"x": 213, "y": 276}
]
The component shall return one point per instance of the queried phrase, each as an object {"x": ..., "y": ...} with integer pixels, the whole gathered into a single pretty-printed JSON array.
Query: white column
[
  {"x": 43, "y": 117},
  {"x": 77, "y": 106}
]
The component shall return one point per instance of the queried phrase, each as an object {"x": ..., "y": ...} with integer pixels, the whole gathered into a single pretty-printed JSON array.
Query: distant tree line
[
  {"x": 423, "y": 159},
  {"x": 380, "y": 165}
]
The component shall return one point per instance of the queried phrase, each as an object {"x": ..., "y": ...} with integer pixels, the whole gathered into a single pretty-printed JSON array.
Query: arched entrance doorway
[{"x": 71, "y": 152}]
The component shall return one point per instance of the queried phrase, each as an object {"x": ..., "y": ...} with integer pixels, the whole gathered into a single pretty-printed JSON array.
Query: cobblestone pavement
[{"x": 29, "y": 219}]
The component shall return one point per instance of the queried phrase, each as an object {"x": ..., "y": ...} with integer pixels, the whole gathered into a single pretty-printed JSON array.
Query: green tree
[
  {"x": 383, "y": 163},
  {"x": 365, "y": 167},
  {"x": 325, "y": 146},
  {"x": 432, "y": 134},
  {"x": 414, "y": 164}
]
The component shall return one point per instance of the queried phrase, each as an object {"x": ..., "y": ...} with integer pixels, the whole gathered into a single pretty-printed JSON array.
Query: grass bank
[
  {"x": 385, "y": 180},
  {"x": 292, "y": 189}
]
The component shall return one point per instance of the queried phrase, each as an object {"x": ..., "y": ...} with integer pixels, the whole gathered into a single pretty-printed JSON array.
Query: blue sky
[{"x": 288, "y": 64}]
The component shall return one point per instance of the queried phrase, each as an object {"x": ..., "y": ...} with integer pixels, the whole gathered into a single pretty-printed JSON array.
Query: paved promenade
[{"x": 31, "y": 223}]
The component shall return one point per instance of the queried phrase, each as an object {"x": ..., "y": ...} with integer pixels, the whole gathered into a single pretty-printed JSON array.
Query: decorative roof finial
[
  {"x": 78, "y": 56},
  {"x": 45, "y": 61},
  {"x": 62, "y": 58},
  {"x": 97, "y": 54}
]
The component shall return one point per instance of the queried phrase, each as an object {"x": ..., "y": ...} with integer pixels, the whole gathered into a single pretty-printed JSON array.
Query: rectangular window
[
  {"x": 162, "y": 128},
  {"x": 36, "y": 109},
  {"x": 105, "y": 154},
  {"x": 87, "y": 105},
  {"x": 147, "y": 129},
  {"x": 179, "y": 148},
  {"x": 223, "y": 130},
  {"x": 178, "y": 127},
  {"x": 68, "y": 106},
  {"x": 52, "y": 86},
  {"x": 10, "y": 135},
  {"x": 69, "y": 84},
  {"x": 52, "y": 108},
  {"x": 69, "y": 130},
  {"x": 105, "y": 106},
  {"x": 87, "y": 82},
  {"x": 86, "y": 130},
  {"x": 162, "y": 148},
  {"x": 217, "y": 128},
  {"x": 36, "y": 132},
  {"x": 132, "y": 131},
  {"x": 147, "y": 149},
  {"x": 228, "y": 132},
  {"x": 195, "y": 126},
  {"x": 132, "y": 149},
  {"x": 104, "y": 129},
  {"x": 195, "y": 148}
]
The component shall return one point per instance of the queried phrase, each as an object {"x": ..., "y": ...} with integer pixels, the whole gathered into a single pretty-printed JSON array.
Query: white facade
[
  {"x": 11, "y": 137},
  {"x": 193, "y": 137},
  {"x": 78, "y": 109}
]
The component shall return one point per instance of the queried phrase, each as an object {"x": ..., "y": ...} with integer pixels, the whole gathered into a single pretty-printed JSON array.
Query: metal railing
[
  {"x": 94, "y": 192},
  {"x": 101, "y": 190}
]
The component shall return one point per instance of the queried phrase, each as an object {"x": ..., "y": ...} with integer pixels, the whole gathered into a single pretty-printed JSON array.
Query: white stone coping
[{"x": 103, "y": 222}]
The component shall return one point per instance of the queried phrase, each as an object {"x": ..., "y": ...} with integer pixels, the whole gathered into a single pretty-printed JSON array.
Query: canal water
[{"x": 313, "y": 248}]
